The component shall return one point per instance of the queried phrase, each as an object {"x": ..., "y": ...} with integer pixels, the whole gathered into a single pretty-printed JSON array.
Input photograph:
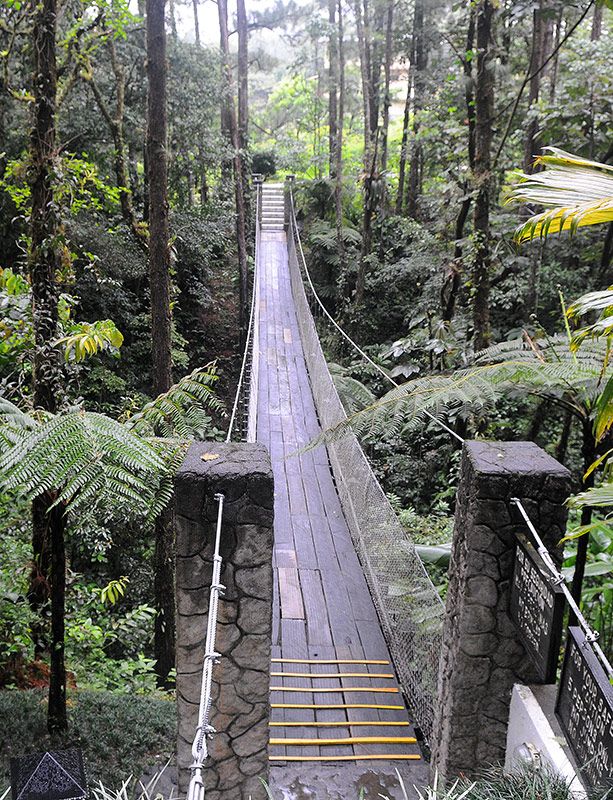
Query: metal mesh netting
[{"x": 409, "y": 607}]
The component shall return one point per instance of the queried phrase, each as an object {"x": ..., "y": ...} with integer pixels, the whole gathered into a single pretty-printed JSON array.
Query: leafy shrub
[
  {"x": 264, "y": 162},
  {"x": 119, "y": 735}
]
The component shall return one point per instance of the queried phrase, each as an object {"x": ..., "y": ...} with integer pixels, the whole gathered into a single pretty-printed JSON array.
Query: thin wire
[
  {"x": 379, "y": 369},
  {"x": 249, "y": 328},
  {"x": 204, "y": 729},
  {"x": 591, "y": 636}
]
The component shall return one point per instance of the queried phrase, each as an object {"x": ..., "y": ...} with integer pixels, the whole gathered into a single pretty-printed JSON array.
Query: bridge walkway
[{"x": 323, "y": 611}]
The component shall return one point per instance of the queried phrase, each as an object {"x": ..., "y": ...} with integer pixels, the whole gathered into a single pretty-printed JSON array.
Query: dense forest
[{"x": 433, "y": 145}]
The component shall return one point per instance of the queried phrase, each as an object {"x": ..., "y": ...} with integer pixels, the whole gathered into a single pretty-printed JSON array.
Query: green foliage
[
  {"x": 77, "y": 185},
  {"x": 118, "y": 738},
  {"x": 264, "y": 163},
  {"x": 86, "y": 339}
]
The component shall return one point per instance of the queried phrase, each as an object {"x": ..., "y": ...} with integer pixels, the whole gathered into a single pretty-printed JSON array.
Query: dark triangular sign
[{"x": 55, "y": 775}]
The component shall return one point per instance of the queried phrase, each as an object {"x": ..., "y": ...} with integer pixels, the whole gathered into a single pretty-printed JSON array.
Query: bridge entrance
[{"x": 338, "y": 720}]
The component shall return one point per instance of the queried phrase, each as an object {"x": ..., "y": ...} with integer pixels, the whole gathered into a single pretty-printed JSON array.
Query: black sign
[
  {"x": 536, "y": 607},
  {"x": 57, "y": 775},
  {"x": 585, "y": 710}
]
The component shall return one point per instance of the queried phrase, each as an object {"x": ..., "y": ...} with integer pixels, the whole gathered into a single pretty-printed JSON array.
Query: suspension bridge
[{"x": 336, "y": 698}]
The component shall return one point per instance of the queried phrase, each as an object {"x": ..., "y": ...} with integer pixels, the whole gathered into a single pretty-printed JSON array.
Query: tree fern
[
  {"x": 182, "y": 411},
  {"x": 95, "y": 465},
  {"x": 542, "y": 367}
]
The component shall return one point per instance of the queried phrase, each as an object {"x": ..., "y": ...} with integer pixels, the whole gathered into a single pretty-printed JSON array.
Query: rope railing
[{"x": 205, "y": 730}]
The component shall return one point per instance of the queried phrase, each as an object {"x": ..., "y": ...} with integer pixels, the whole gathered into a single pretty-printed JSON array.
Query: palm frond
[
  {"x": 597, "y": 497},
  {"x": 577, "y": 192}
]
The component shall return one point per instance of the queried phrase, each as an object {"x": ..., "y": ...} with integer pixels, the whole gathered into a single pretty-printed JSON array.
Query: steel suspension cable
[
  {"x": 590, "y": 634},
  {"x": 204, "y": 729},
  {"x": 345, "y": 335}
]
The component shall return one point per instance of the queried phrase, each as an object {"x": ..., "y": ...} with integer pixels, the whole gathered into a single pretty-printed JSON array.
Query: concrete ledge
[{"x": 534, "y": 730}]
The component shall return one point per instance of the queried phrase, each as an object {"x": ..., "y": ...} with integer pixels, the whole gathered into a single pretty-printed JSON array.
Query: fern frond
[{"x": 182, "y": 411}]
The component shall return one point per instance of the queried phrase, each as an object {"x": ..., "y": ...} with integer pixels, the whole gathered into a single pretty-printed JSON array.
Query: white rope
[
  {"x": 205, "y": 730},
  {"x": 250, "y": 327},
  {"x": 356, "y": 346},
  {"x": 591, "y": 636}
]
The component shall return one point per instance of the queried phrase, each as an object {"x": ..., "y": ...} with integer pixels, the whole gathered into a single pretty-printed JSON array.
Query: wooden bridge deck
[{"x": 322, "y": 606}]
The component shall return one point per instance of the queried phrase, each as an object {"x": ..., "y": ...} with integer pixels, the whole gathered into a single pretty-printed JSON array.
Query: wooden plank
[
  {"x": 304, "y": 543},
  {"x": 289, "y": 592},
  {"x": 286, "y": 557},
  {"x": 285, "y": 660},
  {"x": 294, "y": 641},
  {"x": 342, "y": 724},
  {"x": 375, "y": 757},
  {"x": 318, "y": 626}
]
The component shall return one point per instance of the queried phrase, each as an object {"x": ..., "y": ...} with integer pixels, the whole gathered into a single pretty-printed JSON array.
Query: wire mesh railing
[
  {"x": 409, "y": 607},
  {"x": 243, "y": 418}
]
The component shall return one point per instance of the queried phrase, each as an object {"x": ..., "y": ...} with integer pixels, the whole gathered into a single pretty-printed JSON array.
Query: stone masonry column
[
  {"x": 482, "y": 656},
  {"x": 238, "y": 754}
]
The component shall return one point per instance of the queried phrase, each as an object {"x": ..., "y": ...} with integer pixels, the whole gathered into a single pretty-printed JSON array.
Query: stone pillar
[
  {"x": 482, "y": 656},
  {"x": 240, "y": 710}
]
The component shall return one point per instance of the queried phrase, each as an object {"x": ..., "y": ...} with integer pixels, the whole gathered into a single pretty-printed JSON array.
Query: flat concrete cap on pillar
[
  {"x": 517, "y": 458},
  {"x": 234, "y": 468}
]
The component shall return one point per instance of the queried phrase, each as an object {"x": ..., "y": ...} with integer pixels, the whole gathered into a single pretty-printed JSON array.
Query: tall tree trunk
[
  {"x": 484, "y": 112},
  {"x": 115, "y": 122},
  {"x": 222, "y": 7},
  {"x": 48, "y": 524},
  {"x": 588, "y": 453},
  {"x": 196, "y": 22},
  {"x": 243, "y": 110},
  {"x": 58, "y": 720},
  {"x": 364, "y": 74},
  {"x": 553, "y": 69},
  {"x": 596, "y": 32},
  {"x": 452, "y": 285},
  {"x": 387, "y": 68},
  {"x": 338, "y": 169},
  {"x": 333, "y": 80},
  {"x": 161, "y": 321},
  {"x": 419, "y": 58},
  {"x": 542, "y": 34},
  {"x": 404, "y": 145}
]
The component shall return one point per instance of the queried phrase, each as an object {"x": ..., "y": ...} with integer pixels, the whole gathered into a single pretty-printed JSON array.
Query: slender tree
[
  {"x": 387, "y": 73},
  {"x": 338, "y": 155},
  {"x": 49, "y": 566},
  {"x": 196, "y": 22},
  {"x": 237, "y": 168},
  {"x": 419, "y": 62},
  {"x": 452, "y": 284},
  {"x": 482, "y": 176},
  {"x": 542, "y": 36},
  {"x": 333, "y": 84},
  {"x": 161, "y": 321}
]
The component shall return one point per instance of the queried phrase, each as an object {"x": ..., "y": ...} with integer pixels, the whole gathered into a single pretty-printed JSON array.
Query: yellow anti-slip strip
[
  {"x": 335, "y": 705},
  {"x": 324, "y": 661},
  {"x": 344, "y": 724},
  {"x": 376, "y": 757},
  {"x": 347, "y": 740},
  {"x": 324, "y": 675},
  {"x": 338, "y": 689}
]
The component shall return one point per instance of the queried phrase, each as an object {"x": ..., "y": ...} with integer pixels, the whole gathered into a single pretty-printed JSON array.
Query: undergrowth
[{"x": 120, "y": 734}]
